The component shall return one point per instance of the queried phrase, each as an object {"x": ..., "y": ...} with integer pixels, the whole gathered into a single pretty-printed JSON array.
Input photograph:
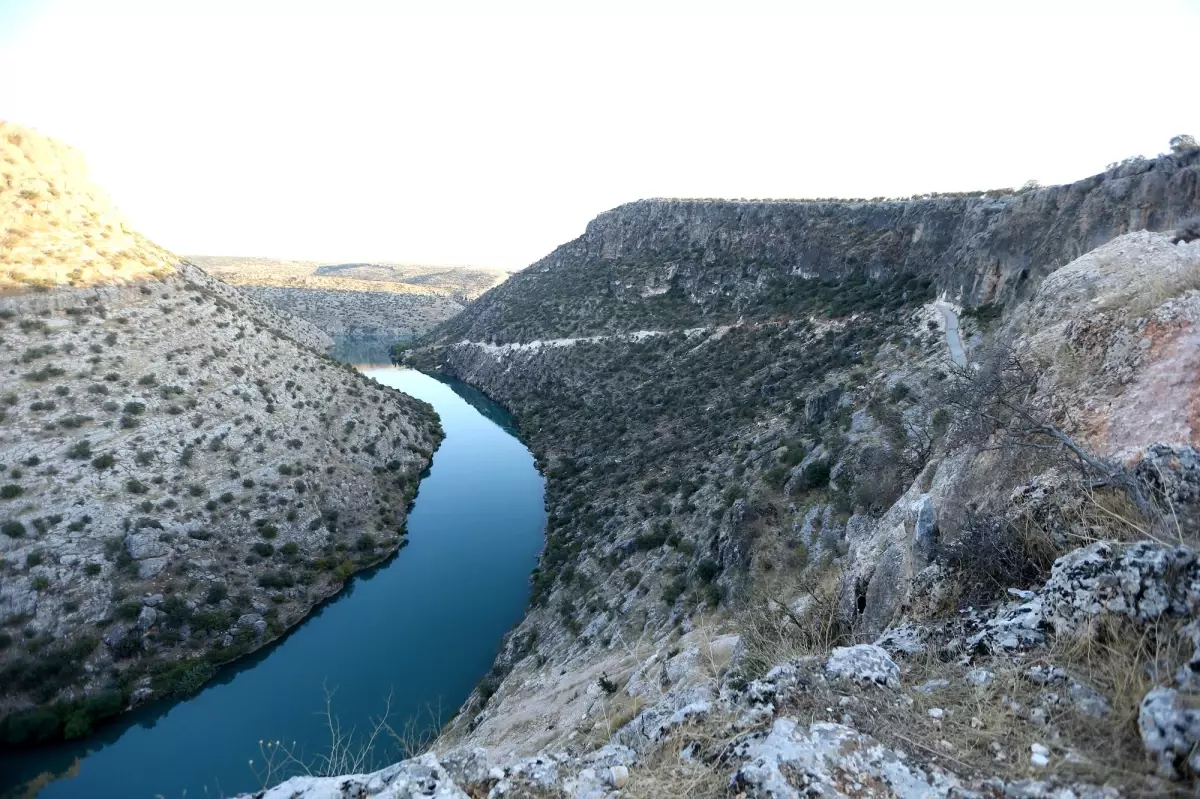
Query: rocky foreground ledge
[{"x": 867, "y": 719}]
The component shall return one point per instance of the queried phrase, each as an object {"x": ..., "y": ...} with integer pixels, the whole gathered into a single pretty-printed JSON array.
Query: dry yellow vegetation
[{"x": 56, "y": 227}]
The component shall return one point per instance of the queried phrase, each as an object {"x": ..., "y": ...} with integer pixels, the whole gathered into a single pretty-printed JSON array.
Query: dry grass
[
  {"x": 1161, "y": 288},
  {"x": 773, "y": 633},
  {"x": 988, "y": 730},
  {"x": 994, "y": 552},
  {"x": 685, "y": 765},
  {"x": 615, "y": 712},
  {"x": 58, "y": 228}
]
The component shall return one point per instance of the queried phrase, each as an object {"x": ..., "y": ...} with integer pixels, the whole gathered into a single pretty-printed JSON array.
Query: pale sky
[{"x": 448, "y": 132}]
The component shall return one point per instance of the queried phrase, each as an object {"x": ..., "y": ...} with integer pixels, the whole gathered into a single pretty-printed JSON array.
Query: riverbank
[{"x": 422, "y": 628}]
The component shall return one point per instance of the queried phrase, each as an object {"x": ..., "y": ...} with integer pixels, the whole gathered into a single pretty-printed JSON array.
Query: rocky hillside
[
  {"x": 58, "y": 229},
  {"x": 364, "y": 308},
  {"x": 182, "y": 475},
  {"x": 926, "y": 461},
  {"x": 658, "y": 264}
]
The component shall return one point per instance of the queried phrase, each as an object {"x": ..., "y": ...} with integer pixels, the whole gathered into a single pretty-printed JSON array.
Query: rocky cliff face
[
  {"x": 762, "y": 444},
  {"x": 690, "y": 262},
  {"x": 182, "y": 475}
]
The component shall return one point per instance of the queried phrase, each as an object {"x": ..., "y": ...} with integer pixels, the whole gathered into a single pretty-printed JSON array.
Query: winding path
[{"x": 953, "y": 340}]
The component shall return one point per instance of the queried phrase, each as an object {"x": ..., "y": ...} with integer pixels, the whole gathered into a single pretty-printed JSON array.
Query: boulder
[
  {"x": 1171, "y": 473},
  {"x": 17, "y": 598},
  {"x": 422, "y": 776},
  {"x": 151, "y": 567},
  {"x": 1170, "y": 732},
  {"x": 145, "y": 545},
  {"x": 979, "y": 677},
  {"x": 248, "y": 619},
  {"x": 865, "y": 663},
  {"x": 467, "y": 766},
  {"x": 792, "y": 761},
  {"x": 146, "y": 618},
  {"x": 1144, "y": 581}
]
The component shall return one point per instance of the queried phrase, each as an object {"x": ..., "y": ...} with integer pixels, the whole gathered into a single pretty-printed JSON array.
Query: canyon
[{"x": 843, "y": 498}]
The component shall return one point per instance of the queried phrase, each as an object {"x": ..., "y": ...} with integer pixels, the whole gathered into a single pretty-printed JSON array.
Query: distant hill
[{"x": 364, "y": 307}]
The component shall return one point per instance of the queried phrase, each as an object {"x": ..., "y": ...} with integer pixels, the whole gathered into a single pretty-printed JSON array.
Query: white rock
[
  {"x": 1040, "y": 755},
  {"x": 979, "y": 677},
  {"x": 1170, "y": 732},
  {"x": 423, "y": 776},
  {"x": 865, "y": 663},
  {"x": 825, "y": 754},
  {"x": 933, "y": 686},
  {"x": 146, "y": 617}
]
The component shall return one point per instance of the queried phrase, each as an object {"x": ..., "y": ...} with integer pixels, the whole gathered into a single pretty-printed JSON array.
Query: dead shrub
[
  {"x": 1187, "y": 231},
  {"x": 773, "y": 633}
]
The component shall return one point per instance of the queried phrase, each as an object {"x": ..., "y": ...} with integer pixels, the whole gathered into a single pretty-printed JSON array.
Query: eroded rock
[
  {"x": 827, "y": 760},
  {"x": 1170, "y": 731},
  {"x": 865, "y": 663},
  {"x": 420, "y": 777}
]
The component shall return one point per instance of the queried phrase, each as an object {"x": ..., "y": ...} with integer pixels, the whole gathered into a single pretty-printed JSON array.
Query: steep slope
[
  {"x": 183, "y": 475},
  {"x": 58, "y": 228},
  {"x": 759, "y": 447},
  {"x": 657, "y": 264},
  {"x": 364, "y": 308}
]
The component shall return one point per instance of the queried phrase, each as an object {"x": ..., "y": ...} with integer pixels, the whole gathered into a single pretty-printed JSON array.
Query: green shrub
[
  {"x": 216, "y": 593},
  {"x": 281, "y": 579},
  {"x": 104, "y": 704},
  {"x": 129, "y": 610},
  {"x": 674, "y": 589},
  {"x": 210, "y": 620},
  {"x": 176, "y": 609},
  {"x": 13, "y": 529},
  {"x": 32, "y": 726},
  {"x": 104, "y": 461},
  {"x": 814, "y": 475},
  {"x": 651, "y": 540},
  {"x": 11, "y": 491},
  {"x": 128, "y": 647}
]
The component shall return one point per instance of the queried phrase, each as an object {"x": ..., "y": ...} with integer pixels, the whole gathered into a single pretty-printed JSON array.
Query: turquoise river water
[{"x": 422, "y": 628}]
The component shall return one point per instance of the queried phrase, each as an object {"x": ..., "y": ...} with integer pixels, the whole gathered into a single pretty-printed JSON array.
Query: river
[{"x": 423, "y": 628}]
